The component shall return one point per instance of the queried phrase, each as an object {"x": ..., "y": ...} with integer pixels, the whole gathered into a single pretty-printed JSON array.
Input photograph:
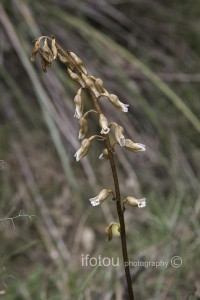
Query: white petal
[
  {"x": 81, "y": 135},
  {"x": 140, "y": 146},
  {"x": 93, "y": 199},
  {"x": 105, "y": 130},
  {"x": 77, "y": 155},
  {"x": 78, "y": 114},
  {"x": 101, "y": 156},
  {"x": 122, "y": 141},
  {"x": 95, "y": 204},
  {"x": 142, "y": 202},
  {"x": 124, "y": 107}
]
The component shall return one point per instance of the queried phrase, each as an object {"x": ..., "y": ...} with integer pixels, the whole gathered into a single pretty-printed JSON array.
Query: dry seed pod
[
  {"x": 100, "y": 198},
  {"x": 54, "y": 49},
  {"x": 35, "y": 50},
  {"x": 109, "y": 230},
  {"x": 83, "y": 128},
  {"x": 78, "y": 62},
  {"x": 75, "y": 77}
]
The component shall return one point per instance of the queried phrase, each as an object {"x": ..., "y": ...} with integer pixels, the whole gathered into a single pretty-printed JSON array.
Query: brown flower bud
[
  {"x": 45, "y": 57},
  {"x": 75, "y": 77},
  {"x": 103, "y": 122},
  {"x": 35, "y": 50},
  {"x": 104, "y": 154},
  {"x": 99, "y": 85},
  {"x": 63, "y": 59},
  {"x": 78, "y": 100},
  {"x": 109, "y": 230},
  {"x": 134, "y": 147},
  {"x": 78, "y": 62},
  {"x": 119, "y": 130},
  {"x": 118, "y": 104},
  {"x": 83, "y": 150},
  {"x": 89, "y": 82},
  {"x": 47, "y": 51},
  {"x": 83, "y": 128},
  {"x": 54, "y": 49}
]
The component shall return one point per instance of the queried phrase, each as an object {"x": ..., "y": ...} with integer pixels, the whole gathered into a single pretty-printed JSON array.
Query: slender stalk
[{"x": 118, "y": 206}]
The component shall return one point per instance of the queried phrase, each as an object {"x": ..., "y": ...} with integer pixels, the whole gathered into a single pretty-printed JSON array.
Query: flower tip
[
  {"x": 80, "y": 136},
  {"x": 142, "y": 147},
  {"x": 95, "y": 204},
  {"x": 125, "y": 109},
  {"x": 77, "y": 116},
  {"x": 142, "y": 203},
  {"x": 122, "y": 142},
  {"x": 94, "y": 201},
  {"x": 105, "y": 130},
  {"x": 76, "y": 156}
]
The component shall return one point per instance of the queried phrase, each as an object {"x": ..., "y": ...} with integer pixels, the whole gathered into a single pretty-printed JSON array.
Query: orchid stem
[{"x": 120, "y": 209}]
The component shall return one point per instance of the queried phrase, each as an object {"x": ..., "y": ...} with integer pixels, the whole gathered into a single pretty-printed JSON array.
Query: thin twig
[{"x": 21, "y": 214}]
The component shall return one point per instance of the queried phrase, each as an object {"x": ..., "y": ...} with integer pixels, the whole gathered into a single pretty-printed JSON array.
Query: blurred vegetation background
[{"x": 146, "y": 52}]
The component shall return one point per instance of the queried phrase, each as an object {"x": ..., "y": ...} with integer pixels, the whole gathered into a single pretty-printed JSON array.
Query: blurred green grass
[{"x": 147, "y": 53}]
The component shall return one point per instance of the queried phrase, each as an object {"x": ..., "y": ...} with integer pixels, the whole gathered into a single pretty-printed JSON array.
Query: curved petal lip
[{"x": 105, "y": 130}]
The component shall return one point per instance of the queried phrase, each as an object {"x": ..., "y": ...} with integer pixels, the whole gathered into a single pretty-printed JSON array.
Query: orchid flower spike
[
  {"x": 134, "y": 147},
  {"x": 103, "y": 122},
  {"x": 104, "y": 154},
  {"x": 83, "y": 150},
  {"x": 118, "y": 104},
  {"x": 83, "y": 128},
  {"x": 78, "y": 100},
  {"x": 135, "y": 202},
  {"x": 100, "y": 198}
]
